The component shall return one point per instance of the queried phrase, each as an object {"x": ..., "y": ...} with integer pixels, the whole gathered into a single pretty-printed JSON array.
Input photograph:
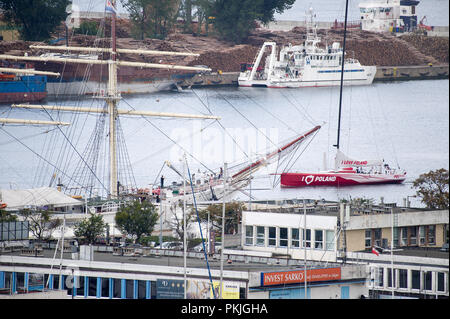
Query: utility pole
[
  {"x": 225, "y": 168},
  {"x": 184, "y": 223},
  {"x": 304, "y": 244}
]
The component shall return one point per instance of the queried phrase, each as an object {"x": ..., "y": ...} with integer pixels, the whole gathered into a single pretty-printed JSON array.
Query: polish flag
[{"x": 375, "y": 251}]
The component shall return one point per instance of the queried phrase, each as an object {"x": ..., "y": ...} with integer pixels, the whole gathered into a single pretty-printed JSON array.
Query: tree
[
  {"x": 177, "y": 222},
  {"x": 137, "y": 219},
  {"x": 6, "y": 216},
  {"x": 234, "y": 19},
  {"x": 233, "y": 212},
  {"x": 41, "y": 223},
  {"x": 90, "y": 228},
  {"x": 432, "y": 187},
  {"x": 35, "y": 19},
  {"x": 204, "y": 11},
  {"x": 152, "y": 18}
]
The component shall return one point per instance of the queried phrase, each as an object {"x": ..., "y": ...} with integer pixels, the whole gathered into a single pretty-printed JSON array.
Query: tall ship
[
  {"x": 305, "y": 65},
  {"x": 20, "y": 83},
  {"x": 347, "y": 171}
]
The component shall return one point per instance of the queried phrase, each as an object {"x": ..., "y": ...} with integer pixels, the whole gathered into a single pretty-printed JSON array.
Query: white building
[
  {"x": 389, "y": 15},
  {"x": 281, "y": 233}
]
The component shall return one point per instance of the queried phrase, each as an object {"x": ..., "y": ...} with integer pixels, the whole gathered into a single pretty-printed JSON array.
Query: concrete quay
[
  {"x": 405, "y": 73},
  {"x": 383, "y": 74}
]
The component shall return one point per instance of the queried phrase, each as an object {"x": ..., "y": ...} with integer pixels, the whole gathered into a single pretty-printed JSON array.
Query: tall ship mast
[{"x": 112, "y": 96}]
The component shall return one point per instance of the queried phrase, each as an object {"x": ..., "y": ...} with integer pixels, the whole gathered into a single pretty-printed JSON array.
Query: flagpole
[
  {"x": 304, "y": 242},
  {"x": 392, "y": 251}
]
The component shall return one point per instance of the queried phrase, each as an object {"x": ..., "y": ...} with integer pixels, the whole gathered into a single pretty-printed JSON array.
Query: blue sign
[{"x": 169, "y": 289}]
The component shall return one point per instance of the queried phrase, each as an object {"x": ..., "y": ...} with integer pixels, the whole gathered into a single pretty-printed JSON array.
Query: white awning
[{"x": 36, "y": 197}]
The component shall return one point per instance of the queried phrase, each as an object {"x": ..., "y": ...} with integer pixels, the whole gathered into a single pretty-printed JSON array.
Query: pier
[{"x": 384, "y": 73}]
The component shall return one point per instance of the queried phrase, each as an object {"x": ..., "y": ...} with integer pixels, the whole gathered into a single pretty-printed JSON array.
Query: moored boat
[
  {"x": 306, "y": 65},
  {"x": 22, "y": 87},
  {"x": 347, "y": 171}
]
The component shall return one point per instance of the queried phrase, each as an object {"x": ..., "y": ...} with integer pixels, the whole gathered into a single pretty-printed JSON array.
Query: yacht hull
[{"x": 294, "y": 180}]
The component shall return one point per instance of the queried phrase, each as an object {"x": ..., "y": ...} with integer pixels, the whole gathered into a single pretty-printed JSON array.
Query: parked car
[
  {"x": 199, "y": 247},
  {"x": 176, "y": 245},
  {"x": 137, "y": 248}
]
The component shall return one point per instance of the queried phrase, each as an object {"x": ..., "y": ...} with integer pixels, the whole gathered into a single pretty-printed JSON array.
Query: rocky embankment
[{"x": 368, "y": 47}]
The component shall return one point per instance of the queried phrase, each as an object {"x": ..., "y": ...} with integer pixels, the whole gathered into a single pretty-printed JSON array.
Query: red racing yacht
[{"x": 347, "y": 171}]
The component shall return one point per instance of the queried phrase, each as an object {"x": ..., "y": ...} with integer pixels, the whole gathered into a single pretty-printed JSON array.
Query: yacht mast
[{"x": 342, "y": 76}]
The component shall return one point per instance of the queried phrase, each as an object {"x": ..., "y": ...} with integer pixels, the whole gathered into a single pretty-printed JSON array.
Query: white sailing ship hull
[
  {"x": 77, "y": 88},
  {"x": 360, "y": 75}
]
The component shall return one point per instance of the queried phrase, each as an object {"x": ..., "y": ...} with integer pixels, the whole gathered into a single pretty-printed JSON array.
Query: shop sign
[{"x": 297, "y": 276}]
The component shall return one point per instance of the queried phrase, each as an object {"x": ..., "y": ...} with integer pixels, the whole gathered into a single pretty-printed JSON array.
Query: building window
[
  {"x": 431, "y": 235},
  {"x": 380, "y": 277},
  {"x": 318, "y": 239},
  {"x": 415, "y": 274},
  {"x": 404, "y": 238},
  {"x": 377, "y": 236},
  {"x": 422, "y": 236},
  {"x": 403, "y": 278},
  {"x": 272, "y": 236},
  {"x": 368, "y": 239},
  {"x": 260, "y": 235},
  {"x": 105, "y": 287},
  {"x": 283, "y": 237},
  {"x": 295, "y": 238},
  {"x": 440, "y": 281},
  {"x": 389, "y": 274},
  {"x": 249, "y": 235},
  {"x": 396, "y": 235},
  {"x": 427, "y": 280},
  {"x": 413, "y": 236},
  {"x": 306, "y": 236},
  {"x": 329, "y": 240}
]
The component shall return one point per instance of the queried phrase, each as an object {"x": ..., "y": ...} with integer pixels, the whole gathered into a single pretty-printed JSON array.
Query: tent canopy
[{"x": 36, "y": 197}]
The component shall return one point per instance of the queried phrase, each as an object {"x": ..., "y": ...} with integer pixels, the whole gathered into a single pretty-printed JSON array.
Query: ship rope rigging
[
  {"x": 89, "y": 158},
  {"x": 111, "y": 98}
]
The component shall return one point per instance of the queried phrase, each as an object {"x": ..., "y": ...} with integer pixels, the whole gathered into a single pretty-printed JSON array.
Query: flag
[
  {"x": 109, "y": 7},
  {"x": 375, "y": 251}
]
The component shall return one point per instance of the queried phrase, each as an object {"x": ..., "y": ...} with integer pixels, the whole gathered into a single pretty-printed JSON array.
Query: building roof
[{"x": 36, "y": 197}]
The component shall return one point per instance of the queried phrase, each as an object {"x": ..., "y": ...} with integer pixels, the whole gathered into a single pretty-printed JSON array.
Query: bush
[{"x": 88, "y": 28}]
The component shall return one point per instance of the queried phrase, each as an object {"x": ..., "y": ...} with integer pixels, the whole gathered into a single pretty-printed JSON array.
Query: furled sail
[{"x": 343, "y": 160}]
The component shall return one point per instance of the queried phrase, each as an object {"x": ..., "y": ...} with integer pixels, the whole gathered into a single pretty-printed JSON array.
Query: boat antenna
[{"x": 342, "y": 76}]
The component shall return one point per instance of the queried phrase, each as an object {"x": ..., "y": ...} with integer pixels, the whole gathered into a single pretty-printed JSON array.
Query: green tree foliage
[
  {"x": 41, "y": 223},
  {"x": 204, "y": 10},
  {"x": 88, "y": 28},
  {"x": 90, "y": 228},
  {"x": 235, "y": 19},
  {"x": 151, "y": 18},
  {"x": 233, "y": 212},
  {"x": 36, "y": 19},
  {"x": 6, "y": 216},
  {"x": 137, "y": 219},
  {"x": 432, "y": 187}
]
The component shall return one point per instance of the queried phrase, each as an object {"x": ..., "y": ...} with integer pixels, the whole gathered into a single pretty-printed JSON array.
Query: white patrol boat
[{"x": 306, "y": 65}]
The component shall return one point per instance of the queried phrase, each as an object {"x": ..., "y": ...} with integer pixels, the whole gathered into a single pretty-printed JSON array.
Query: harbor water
[
  {"x": 404, "y": 123},
  {"x": 436, "y": 11}
]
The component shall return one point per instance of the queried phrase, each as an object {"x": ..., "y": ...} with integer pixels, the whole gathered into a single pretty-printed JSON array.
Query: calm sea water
[
  {"x": 436, "y": 11},
  {"x": 405, "y": 123}
]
